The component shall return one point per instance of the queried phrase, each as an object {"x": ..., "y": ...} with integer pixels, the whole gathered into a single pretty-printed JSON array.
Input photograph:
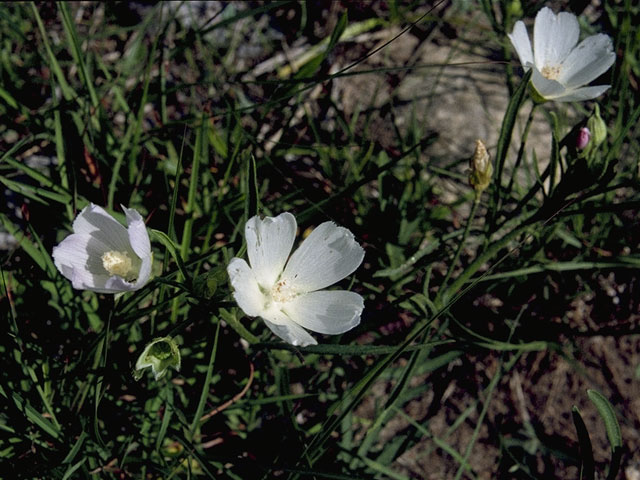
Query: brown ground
[{"x": 529, "y": 414}]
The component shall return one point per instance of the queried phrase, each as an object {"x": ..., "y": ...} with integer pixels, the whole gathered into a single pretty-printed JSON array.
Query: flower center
[
  {"x": 118, "y": 263},
  {"x": 282, "y": 292},
  {"x": 552, "y": 72}
]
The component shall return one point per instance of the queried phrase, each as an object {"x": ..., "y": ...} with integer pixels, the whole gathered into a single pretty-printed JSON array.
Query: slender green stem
[
  {"x": 67, "y": 91},
  {"x": 195, "y": 423},
  {"x": 61, "y": 156},
  {"x": 234, "y": 323},
  {"x": 523, "y": 141},
  {"x": 467, "y": 229},
  {"x": 494, "y": 248},
  {"x": 485, "y": 408}
]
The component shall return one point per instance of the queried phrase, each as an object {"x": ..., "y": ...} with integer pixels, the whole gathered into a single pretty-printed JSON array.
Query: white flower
[
  {"x": 103, "y": 256},
  {"x": 287, "y": 295},
  {"x": 560, "y": 68}
]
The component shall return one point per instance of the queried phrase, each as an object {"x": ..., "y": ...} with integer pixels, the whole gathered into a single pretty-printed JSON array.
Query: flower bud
[
  {"x": 514, "y": 8},
  {"x": 481, "y": 168},
  {"x": 160, "y": 354},
  {"x": 584, "y": 135},
  {"x": 597, "y": 127}
]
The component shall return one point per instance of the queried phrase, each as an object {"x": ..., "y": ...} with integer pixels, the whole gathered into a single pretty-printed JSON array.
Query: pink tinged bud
[{"x": 583, "y": 138}]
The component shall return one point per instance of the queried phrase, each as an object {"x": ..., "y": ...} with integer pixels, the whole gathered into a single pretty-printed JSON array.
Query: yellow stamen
[
  {"x": 281, "y": 292},
  {"x": 552, "y": 72},
  {"x": 118, "y": 263}
]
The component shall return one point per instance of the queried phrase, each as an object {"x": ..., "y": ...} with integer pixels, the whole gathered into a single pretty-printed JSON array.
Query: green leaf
[
  {"x": 506, "y": 131},
  {"x": 66, "y": 90},
  {"x": 206, "y": 284},
  {"x": 164, "y": 239},
  {"x": 78, "y": 54},
  {"x": 73, "y": 468},
  {"x": 34, "y": 416},
  {"x": 608, "y": 415},
  {"x": 76, "y": 448},
  {"x": 612, "y": 427},
  {"x": 24, "y": 242},
  {"x": 6, "y": 96},
  {"x": 204, "y": 394},
  {"x": 587, "y": 467},
  {"x": 312, "y": 65},
  {"x": 253, "y": 193}
]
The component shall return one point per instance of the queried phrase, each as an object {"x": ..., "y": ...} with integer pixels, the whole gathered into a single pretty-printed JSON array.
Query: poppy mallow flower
[
  {"x": 561, "y": 66},
  {"x": 102, "y": 255},
  {"x": 287, "y": 292}
]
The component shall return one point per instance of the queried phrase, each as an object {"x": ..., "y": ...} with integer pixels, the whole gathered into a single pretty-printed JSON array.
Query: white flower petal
[
  {"x": 95, "y": 221},
  {"x": 145, "y": 272},
  {"x": 79, "y": 258},
  {"x": 137, "y": 233},
  {"x": 77, "y": 253},
  {"x": 83, "y": 280},
  {"x": 520, "y": 41},
  {"x": 583, "y": 93},
  {"x": 269, "y": 243},
  {"x": 73, "y": 252},
  {"x": 553, "y": 37},
  {"x": 291, "y": 333},
  {"x": 549, "y": 89},
  {"x": 590, "y": 59},
  {"x": 140, "y": 244},
  {"x": 330, "y": 312},
  {"x": 115, "y": 284},
  {"x": 327, "y": 255},
  {"x": 246, "y": 289}
]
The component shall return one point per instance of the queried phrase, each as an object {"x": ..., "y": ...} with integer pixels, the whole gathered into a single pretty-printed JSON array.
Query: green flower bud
[
  {"x": 481, "y": 168},
  {"x": 597, "y": 127},
  {"x": 591, "y": 154},
  {"x": 514, "y": 9},
  {"x": 160, "y": 354}
]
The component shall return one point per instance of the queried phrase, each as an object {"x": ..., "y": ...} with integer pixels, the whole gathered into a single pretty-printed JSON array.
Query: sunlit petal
[
  {"x": 549, "y": 89},
  {"x": 95, "y": 221},
  {"x": 246, "y": 290},
  {"x": 590, "y": 59},
  {"x": 326, "y": 311},
  {"x": 137, "y": 233},
  {"x": 269, "y": 243},
  {"x": 291, "y": 333},
  {"x": 520, "y": 41},
  {"x": 554, "y": 36},
  {"x": 583, "y": 93},
  {"x": 327, "y": 255}
]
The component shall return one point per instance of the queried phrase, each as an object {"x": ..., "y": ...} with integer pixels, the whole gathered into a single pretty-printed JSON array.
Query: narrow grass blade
[
  {"x": 67, "y": 91},
  {"x": 587, "y": 464},
  {"x": 78, "y": 55},
  {"x": 504, "y": 140},
  {"x": 612, "y": 427},
  {"x": 204, "y": 394}
]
